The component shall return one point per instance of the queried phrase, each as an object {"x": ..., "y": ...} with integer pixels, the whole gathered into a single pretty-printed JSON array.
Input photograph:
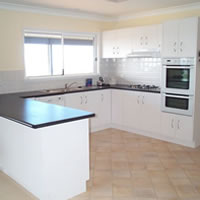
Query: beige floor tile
[
  {"x": 127, "y": 166},
  {"x": 103, "y": 165},
  {"x": 122, "y": 181},
  {"x": 122, "y": 191},
  {"x": 121, "y": 173},
  {"x": 176, "y": 173},
  {"x": 120, "y": 165},
  {"x": 144, "y": 192},
  {"x": 165, "y": 191},
  {"x": 101, "y": 191},
  {"x": 187, "y": 191},
  {"x": 102, "y": 173}
]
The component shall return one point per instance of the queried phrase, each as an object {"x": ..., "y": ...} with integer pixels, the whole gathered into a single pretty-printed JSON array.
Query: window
[{"x": 59, "y": 54}]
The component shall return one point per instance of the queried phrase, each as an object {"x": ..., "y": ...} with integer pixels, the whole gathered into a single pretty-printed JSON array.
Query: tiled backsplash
[
  {"x": 132, "y": 70},
  {"x": 14, "y": 81},
  {"x": 124, "y": 71}
]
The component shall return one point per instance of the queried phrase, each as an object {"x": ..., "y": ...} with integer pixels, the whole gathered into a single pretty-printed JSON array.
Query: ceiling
[{"x": 105, "y": 7}]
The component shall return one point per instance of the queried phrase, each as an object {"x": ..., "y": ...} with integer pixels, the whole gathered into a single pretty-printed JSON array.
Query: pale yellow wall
[
  {"x": 151, "y": 19},
  {"x": 13, "y": 23}
]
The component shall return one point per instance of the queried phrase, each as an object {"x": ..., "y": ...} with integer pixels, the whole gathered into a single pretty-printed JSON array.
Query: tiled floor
[{"x": 126, "y": 166}]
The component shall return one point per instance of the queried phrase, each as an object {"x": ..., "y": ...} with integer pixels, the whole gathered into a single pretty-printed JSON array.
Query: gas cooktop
[{"x": 145, "y": 87}]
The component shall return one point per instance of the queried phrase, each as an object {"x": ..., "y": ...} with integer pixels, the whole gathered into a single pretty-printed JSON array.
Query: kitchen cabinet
[
  {"x": 104, "y": 106},
  {"x": 98, "y": 102},
  {"x": 55, "y": 99},
  {"x": 134, "y": 110},
  {"x": 177, "y": 126},
  {"x": 116, "y": 43},
  {"x": 120, "y": 43},
  {"x": 116, "y": 109},
  {"x": 180, "y": 38},
  {"x": 147, "y": 38}
]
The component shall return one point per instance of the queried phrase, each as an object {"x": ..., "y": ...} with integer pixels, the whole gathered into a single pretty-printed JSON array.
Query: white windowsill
[{"x": 61, "y": 77}]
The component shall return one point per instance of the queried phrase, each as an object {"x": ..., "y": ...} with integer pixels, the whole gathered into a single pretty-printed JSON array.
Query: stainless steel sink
[{"x": 61, "y": 90}]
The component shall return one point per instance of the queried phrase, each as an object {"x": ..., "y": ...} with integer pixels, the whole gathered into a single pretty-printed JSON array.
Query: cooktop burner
[{"x": 145, "y": 87}]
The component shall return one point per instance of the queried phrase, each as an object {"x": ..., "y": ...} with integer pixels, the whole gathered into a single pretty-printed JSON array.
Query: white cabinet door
[
  {"x": 151, "y": 112},
  {"x": 75, "y": 100},
  {"x": 109, "y": 44},
  {"x": 91, "y": 105},
  {"x": 116, "y": 107},
  {"x": 131, "y": 114},
  {"x": 184, "y": 128},
  {"x": 58, "y": 99},
  {"x": 170, "y": 38},
  {"x": 104, "y": 106},
  {"x": 123, "y": 42},
  {"x": 168, "y": 123},
  {"x": 180, "y": 38},
  {"x": 146, "y": 38},
  {"x": 188, "y": 37}
]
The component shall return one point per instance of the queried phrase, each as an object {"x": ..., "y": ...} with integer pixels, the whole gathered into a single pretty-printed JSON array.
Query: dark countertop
[
  {"x": 37, "y": 114},
  {"x": 83, "y": 89},
  {"x": 17, "y": 107}
]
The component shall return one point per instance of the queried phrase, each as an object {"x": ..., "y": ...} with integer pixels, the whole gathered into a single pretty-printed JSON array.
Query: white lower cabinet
[
  {"x": 136, "y": 110},
  {"x": 98, "y": 102},
  {"x": 53, "y": 99},
  {"x": 177, "y": 126}
]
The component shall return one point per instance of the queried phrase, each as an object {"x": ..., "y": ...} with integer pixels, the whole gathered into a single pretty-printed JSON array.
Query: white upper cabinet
[
  {"x": 116, "y": 43},
  {"x": 120, "y": 43},
  {"x": 147, "y": 38},
  {"x": 180, "y": 38}
]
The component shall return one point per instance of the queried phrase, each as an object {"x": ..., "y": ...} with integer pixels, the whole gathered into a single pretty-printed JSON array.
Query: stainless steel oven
[
  {"x": 178, "y": 76},
  {"x": 178, "y": 104}
]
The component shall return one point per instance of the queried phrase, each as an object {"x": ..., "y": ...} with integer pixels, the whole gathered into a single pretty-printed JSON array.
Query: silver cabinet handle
[
  {"x": 174, "y": 44},
  {"x": 174, "y": 50},
  {"x": 143, "y": 100},
  {"x": 178, "y": 124},
  {"x": 138, "y": 99},
  {"x": 86, "y": 100},
  {"x": 181, "y": 50},
  {"x": 181, "y": 44},
  {"x": 172, "y": 123},
  {"x": 81, "y": 100},
  {"x": 102, "y": 97}
]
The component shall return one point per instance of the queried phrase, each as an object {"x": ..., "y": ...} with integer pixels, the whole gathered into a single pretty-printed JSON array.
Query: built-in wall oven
[{"x": 178, "y": 77}]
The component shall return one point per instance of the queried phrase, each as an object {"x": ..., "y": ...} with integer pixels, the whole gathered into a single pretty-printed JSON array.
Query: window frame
[{"x": 96, "y": 37}]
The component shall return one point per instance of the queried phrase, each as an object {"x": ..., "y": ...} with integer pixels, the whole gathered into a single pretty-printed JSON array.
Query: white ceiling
[{"x": 105, "y": 7}]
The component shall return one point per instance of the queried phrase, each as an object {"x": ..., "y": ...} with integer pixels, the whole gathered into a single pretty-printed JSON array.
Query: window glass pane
[
  {"x": 78, "y": 55},
  {"x": 57, "y": 60},
  {"x": 43, "y": 54},
  {"x": 36, "y": 59}
]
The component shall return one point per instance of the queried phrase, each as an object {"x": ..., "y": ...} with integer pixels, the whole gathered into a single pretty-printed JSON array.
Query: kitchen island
[{"x": 44, "y": 147}]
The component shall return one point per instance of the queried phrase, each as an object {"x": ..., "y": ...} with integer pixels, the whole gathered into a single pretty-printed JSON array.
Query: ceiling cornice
[
  {"x": 57, "y": 11},
  {"x": 170, "y": 10},
  {"x": 93, "y": 16}
]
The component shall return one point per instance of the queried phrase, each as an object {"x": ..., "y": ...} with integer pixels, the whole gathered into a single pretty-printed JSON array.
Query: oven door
[
  {"x": 178, "y": 80},
  {"x": 178, "y": 104}
]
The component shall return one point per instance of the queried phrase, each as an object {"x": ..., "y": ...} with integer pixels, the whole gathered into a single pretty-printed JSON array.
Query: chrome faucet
[{"x": 68, "y": 86}]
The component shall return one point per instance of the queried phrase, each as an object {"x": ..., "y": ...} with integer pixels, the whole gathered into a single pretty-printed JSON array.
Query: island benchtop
[{"x": 35, "y": 114}]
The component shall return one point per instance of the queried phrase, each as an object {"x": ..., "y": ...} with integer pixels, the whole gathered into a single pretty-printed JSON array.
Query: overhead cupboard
[
  {"x": 123, "y": 42},
  {"x": 180, "y": 38},
  {"x": 175, "y": 38}
]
